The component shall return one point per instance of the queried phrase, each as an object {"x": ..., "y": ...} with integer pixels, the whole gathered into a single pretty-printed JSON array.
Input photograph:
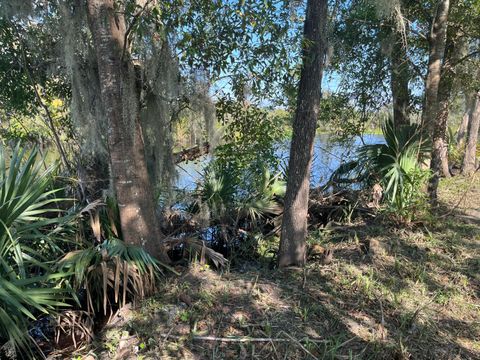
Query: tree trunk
[
  {"x": 462, "y": 130},
  {"x": 294, "y": 225},
  {"x": 120, "y": 98},
  {"x": 469, "y": 161},
  {"x": 399, "y": 81},
  {"x": 437, "y": 39},
  {"x": 439, "y": 164}
]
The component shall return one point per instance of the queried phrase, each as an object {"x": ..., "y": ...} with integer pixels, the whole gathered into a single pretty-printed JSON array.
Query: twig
[
  {"x": 135, "y": 18},
  {"x": 304, "y": 282},
  {"x": 275, "y": 230},
  {"x": 50, "y": 122},
  {"x": 253, "y": 285},
  {"x": 274, "y": 349},
  {"x": 168, "y": 334},
  {"x": 242, "y": 339},
  {"x": 382, "y": 321},
  {"x": 466, "y": 57},
  {"x": 345, "y": 343},
  {"x": 299, "y": 344}
]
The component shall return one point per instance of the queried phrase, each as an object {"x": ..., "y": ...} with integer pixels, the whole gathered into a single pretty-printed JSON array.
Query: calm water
[{"x": 328, "y": 155}]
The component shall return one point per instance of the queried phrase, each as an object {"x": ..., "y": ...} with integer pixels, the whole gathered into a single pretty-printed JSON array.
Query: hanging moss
[
  {"x": 157, "y": 92},
  {"x": 167, "y": 96},
  {"x": 81, "y": 65}
]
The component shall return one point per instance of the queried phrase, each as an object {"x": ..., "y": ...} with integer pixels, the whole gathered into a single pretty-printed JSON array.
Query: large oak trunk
[
  {"x": 437, "y": 40},
  {"x": 121, "y": 104},
  {"x": 469, "y": 161},
  {"x": 294, "y": 225}
]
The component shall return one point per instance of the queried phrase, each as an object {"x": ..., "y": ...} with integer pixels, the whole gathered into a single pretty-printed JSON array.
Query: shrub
[
  {"x": 396, "y": 165},
  {"x": 29, "y": 223},
  {"x": 109, "y": 272}
]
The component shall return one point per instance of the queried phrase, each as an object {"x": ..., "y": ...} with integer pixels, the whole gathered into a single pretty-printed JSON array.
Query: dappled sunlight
[
  {"x": 239, "y": 179},
  {"x": 390, "y": 292}
]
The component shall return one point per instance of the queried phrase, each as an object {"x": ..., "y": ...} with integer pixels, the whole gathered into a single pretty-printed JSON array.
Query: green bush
[
  {"x": 35, "y": 233},
  {"x": 29, "y": 226},
  {"x": 240, "y": 188},
  {"x": 227, "y": 200},
  {"x": 411, "y": 199},
  {"x": 396, "y": 165},
  {"x": 239, "y": 183},
  {"x": 249, "y": 140},
  {"x": 111, "y": 267}
]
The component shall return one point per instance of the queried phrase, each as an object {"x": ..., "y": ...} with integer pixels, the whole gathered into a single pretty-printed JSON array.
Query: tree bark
[
  {"x": 462, "y": 130},
  {"x": 294, "y": 224},
  {"x": 439, "y": 164},
  {"x": 469, "y": 161},
  {"x": 120, "y": 98},
  {"x": 399, "y": 81},
  {"x": 437, "y": 40}
]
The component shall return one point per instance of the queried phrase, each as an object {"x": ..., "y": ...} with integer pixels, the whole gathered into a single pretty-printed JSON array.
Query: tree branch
[
  {"x": 466, "y": 57},
  {"x": 49, "y": 121},
  {"x": 135, "y": 18}
]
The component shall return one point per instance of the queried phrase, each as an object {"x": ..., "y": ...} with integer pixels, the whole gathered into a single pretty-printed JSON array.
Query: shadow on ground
[
  {"x": 414, "y": 294},
  {"x": 390, "y": 293}
]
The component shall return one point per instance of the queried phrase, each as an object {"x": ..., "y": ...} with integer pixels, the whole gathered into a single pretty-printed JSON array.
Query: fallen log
[
  {"x": 191, "y": 153},
  {"x": 330, "y": 208}
]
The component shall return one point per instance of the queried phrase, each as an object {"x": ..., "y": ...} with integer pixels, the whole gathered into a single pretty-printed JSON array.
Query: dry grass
[{"x": 389, "y": 293}]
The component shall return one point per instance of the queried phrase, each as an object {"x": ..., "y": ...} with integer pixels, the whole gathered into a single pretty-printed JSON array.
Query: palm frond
[
  {"x": 27, "y": 203},
  {"x": 112, "y": 266},
  {"x": 389, "y": 163}
]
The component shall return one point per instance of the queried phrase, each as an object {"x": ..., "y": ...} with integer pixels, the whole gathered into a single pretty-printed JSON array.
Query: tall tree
[
  {"x": 399, "y": 85},
  {"x": 399, "y": 78},
  {"x": 454, "y": 46},
  {"x": 294, "y": 225},
  {"x": 120, "y": 98},
  {"x": 469, "y": 160},
  {"x": 436, "y": 39}
]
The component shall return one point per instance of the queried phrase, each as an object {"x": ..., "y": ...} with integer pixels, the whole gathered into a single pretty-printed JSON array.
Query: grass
[{"x": 414, "y": 294}]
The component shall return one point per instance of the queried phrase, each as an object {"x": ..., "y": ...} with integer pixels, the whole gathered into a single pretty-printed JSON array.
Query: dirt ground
[{"x": 388, "y": 293}]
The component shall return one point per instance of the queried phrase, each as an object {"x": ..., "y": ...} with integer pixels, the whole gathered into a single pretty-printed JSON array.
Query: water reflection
[{"x": 328, "y": 155}]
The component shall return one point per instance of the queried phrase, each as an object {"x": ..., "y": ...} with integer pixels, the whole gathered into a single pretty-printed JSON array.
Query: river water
[{"x": 328, "y": 155}]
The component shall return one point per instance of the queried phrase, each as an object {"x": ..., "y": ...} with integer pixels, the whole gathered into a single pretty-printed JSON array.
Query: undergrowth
[{"x": 389, "y": 293}]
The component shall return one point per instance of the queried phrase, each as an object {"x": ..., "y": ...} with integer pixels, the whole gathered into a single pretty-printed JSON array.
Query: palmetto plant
[
  {"x": 28, "y": 221},
  {"x": 34, "y": 233},
  {"x": 263, "y": 198},
  {"x": 110, "y": 273},
  {"x": 238, "y": 209},
  {"x": 395, "y": 164},
  {"x": 404, "y": 150},
  {"x": 228, "y": 200},
  {"x": 217, "y": 191}
]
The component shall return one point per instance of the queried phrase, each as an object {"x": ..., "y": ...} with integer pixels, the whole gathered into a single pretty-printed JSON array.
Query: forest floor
[{"x": 389, "y": 293}]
